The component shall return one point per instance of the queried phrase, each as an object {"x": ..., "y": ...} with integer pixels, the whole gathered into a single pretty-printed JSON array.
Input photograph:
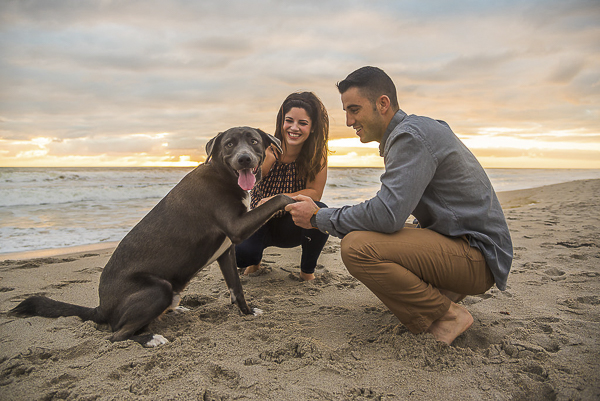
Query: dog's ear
[
  {"x": 270, "y": 140},
  {"x": 210, "y": 146}
]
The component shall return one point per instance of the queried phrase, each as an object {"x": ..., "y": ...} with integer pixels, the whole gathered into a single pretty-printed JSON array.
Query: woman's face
[{"x": 297, "y": 126}]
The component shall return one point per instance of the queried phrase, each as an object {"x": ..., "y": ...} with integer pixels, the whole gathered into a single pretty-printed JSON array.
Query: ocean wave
[
  {"x": 35, "y": 186},
  {"x": 51, "y": 208}
]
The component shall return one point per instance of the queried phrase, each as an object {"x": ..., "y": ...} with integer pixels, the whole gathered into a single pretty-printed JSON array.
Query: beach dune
[{"x": 330, "y": 339}]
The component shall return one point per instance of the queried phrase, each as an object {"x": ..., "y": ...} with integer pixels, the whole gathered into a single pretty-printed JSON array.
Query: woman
[{"x": 303, "y": 128}]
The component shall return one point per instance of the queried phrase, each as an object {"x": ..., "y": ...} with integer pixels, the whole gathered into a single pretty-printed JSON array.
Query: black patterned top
[{"x": 282, "y": 178}]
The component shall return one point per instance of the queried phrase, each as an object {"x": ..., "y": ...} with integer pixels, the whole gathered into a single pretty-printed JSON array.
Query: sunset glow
[{"x": 100, "y": 85}]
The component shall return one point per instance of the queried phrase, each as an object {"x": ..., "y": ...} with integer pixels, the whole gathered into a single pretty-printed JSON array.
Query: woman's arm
[{"x": 314, "y": 189}]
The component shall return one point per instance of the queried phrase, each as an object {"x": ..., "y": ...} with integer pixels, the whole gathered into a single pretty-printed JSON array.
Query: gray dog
[{"x": 195, "y": 224}]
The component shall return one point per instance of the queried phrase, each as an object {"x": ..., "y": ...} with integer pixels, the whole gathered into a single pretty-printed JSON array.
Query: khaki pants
[{"x": 405, "y": 269}]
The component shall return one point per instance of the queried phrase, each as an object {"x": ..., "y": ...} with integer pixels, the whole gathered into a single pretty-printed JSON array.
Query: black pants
[{"x": 283, "y": 233}]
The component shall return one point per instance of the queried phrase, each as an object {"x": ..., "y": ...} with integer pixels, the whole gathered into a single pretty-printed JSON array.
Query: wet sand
[{"x": 330, "y": 339}]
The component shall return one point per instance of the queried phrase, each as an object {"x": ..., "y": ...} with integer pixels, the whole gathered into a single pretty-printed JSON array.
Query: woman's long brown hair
[{"x": 314, "y": 153}]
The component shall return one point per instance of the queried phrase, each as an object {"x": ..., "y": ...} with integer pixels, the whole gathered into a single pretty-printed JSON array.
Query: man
[{"x": 462, "y": 245}]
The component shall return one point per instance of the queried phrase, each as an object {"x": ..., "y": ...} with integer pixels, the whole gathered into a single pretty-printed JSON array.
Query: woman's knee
[{"x": 247, "y": 254}]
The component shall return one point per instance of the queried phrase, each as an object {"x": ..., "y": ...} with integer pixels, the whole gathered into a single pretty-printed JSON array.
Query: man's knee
[{"x": 352, "y": 250}]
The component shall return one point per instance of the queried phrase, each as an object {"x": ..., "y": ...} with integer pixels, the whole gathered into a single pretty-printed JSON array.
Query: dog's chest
[
  {"x": 224, "y": 246},
  {"x": 246, "y": 201}
]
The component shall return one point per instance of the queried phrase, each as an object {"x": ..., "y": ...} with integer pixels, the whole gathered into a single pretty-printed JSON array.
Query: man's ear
[
  {"x": 210, "y": 146},
  {"x": 383, "y": 104},
  {"x": 270, "y": 140}
]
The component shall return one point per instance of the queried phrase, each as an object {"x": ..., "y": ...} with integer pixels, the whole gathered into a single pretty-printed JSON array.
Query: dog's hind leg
[
  {"x": 139, "y": 310},
  {"x": 232, "y": 279}
]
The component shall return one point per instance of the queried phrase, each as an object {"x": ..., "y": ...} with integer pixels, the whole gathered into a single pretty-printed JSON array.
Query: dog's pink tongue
[{"x": 246, "y": 180}]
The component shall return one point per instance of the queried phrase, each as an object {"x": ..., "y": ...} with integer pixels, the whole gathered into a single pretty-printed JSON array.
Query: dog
[{"x": 199, "y": 221}]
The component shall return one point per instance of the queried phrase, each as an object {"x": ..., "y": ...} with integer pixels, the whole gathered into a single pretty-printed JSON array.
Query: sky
[{"x": 148, "y": 83}]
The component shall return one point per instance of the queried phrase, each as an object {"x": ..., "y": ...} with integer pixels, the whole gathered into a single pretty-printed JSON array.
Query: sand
[{"x": 330, "y": 339}]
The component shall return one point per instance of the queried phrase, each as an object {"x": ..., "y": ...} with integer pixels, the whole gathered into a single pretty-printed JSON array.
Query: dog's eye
[
  {"x": 254, "y": 142},
  {"x": 229, "y": 144}
]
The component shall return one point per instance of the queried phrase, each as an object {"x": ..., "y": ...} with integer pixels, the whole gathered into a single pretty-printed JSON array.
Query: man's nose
[{"x": 349, "y": 120}]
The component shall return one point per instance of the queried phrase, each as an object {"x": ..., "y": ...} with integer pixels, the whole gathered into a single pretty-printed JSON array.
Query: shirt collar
[{"x": 397, "y": 119}]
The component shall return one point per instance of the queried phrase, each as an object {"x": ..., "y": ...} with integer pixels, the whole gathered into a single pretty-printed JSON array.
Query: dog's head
[{"x": 242, "y": 149}]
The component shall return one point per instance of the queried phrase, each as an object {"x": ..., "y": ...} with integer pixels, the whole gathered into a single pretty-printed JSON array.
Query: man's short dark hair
[{"x": 372, "y": 83}]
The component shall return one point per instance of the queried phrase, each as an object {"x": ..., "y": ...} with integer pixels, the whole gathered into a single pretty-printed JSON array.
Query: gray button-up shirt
[{"x": 430, "y": 174}]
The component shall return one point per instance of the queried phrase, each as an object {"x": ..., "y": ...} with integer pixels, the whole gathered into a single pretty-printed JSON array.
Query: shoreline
[
  {"x": 51, "y": 252},
  {"x": 330, "y": 338}
]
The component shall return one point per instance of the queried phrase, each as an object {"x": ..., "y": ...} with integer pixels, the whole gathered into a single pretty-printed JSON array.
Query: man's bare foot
[
  {"x": 307, "y": 276},
  {"x": 453, "y": 296},
  {"x": 251, "y": 269},
  {"x": 455, "y": 322}
]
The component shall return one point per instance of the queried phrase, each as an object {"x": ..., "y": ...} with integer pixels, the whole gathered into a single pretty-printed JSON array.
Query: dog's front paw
[
  {"x": 284, "y": 199},
  {"x": 257, "y": 312},
  {"x": 288, "y": 200}
]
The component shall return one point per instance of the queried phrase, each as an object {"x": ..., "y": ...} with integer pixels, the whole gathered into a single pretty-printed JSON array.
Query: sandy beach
[{"x": 330, "y": 339}]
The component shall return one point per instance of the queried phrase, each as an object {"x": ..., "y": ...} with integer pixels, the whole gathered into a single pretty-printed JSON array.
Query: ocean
[{"x": 47, "y": 208}]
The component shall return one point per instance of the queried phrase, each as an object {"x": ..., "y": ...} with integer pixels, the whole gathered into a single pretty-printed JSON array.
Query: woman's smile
[{"x": 297, "y": 125}]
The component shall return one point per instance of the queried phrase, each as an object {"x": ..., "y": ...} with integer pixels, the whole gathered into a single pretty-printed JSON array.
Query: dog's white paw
[
  {"x": 257, "y": 312},
  {"x": 157, "y": 340},
  {"x": 180, "y": 309}
]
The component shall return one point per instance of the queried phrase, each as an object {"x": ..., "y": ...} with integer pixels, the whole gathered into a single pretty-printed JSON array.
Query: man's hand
[{"x": 302, "y": 210}]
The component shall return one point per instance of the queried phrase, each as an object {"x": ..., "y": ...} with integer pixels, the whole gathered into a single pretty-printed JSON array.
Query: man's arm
[{"x": 409, "y": 167}]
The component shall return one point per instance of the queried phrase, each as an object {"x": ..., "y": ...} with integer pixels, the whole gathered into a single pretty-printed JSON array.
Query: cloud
[{"x": 93, "y": 75}]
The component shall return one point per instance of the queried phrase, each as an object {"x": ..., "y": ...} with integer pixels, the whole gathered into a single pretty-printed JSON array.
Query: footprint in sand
[
  {"x": 335, "y": 310},
  {"x": 300, "y": 302},
  {"x": 67, "y": 283},
  {"x": 555, "y": 274},
  {"x": 534, "y": 265},
  {"x": 295, "y": 348},
  {"x": 195, "y": 300},
  {"x": 580, "y": 302},
  {"x": 475, "y": 299},
  {"x": 363, "y": 393},
  {"x": 91, "y": 270},
  {"x": 576, "y": 244},
  {"x": 34, "y": 263},
  {"x": 223, "y": 375}
]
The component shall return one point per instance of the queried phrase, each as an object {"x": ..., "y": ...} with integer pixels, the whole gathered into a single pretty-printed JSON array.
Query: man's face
[{"x": 363, "y": 116}]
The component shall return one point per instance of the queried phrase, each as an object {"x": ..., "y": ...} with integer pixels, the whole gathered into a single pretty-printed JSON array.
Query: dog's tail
[{"x": 46, "y": 307}]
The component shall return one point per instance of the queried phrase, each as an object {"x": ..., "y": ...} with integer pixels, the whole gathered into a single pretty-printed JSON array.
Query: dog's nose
[{"x": 244, "y": 160}]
